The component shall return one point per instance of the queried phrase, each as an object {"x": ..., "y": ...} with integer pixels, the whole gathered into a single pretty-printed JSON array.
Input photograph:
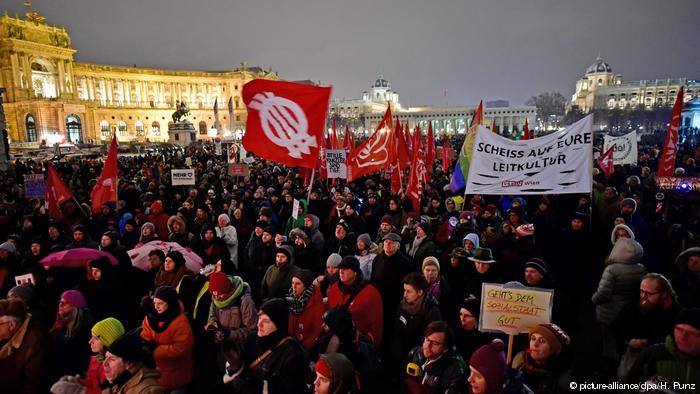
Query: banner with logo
[
  {"x": 625, "y": 151},
  {"x": 335, "y": 163},
  {"x": 514, "y": 310},
  {"x": 182, "y": 177},
  {"x": 557, "y": 163},
  {"x": 34, "y": 186}
]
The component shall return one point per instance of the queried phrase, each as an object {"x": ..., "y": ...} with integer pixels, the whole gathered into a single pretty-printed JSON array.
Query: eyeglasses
[
  {"x": 432, "y": 343},
  {"x": 643, "y": 293}
]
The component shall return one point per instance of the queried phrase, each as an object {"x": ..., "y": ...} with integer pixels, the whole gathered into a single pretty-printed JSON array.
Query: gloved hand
[{"x": 68, "y": 385}]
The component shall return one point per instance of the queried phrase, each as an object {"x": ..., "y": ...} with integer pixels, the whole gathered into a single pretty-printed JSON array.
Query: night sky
[{"x": 490, "y": 49}]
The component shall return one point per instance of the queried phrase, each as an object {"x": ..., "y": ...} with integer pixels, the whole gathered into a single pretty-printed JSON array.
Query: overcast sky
[{"x": 474, "y": 49}]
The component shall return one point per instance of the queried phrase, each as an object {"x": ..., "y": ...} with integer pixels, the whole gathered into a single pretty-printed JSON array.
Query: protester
[
  {"x": 335, "y": 374},
  {"x": 543, "y": 368},
  {"x": 129, "y": 368},
  {"x": 70, "y": 333},
  {"x": 307, "y": 309}
]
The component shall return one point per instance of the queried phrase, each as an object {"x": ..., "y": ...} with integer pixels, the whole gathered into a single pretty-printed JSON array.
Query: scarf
[
  {"x": 299, "y": 303},
  {"x": 160, "y": 322},
  {"x": 239, "y": 286},
  {"x": 434, "y": 289},
  {"x": 416, "y": 244}
]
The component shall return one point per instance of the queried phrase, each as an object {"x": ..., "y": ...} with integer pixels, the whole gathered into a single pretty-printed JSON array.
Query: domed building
[{"x": 600, "y": 88}]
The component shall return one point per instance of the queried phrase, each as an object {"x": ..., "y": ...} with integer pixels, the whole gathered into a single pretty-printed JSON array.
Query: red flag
[
  {"x": 409, "y": 141},
  {"x": 667, "y": 160},
  {"x": 493, "y": 126},
  {"x": 417, "y": 146},
  {"x": 56, "y": 192},
  {"x": 374, "y": 154},
  {"x": 347, "y": 145},
  {"x": 106, "y": 187},
  {"x": 352, "y": 141},
  {"x": 605, "y": 161},
  {"x": 430, "y": 152},
  {"x": 419, "y": 175},
  {"x": 446, "y": 155},
  {"x": 401, "y": 149},
  {"x": 285, "y": 121},
  {"x": 335, "y": 141},
  {"x": 526, "y": 132}
]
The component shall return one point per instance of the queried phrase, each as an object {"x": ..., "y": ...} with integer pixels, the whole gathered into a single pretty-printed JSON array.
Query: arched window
[
  {"x": 121, "y": 126},
  {"x": 155, "y": 129},
  {"x": 44, "y": 76},
  {"x": 74, "y": 129},
  {"x": 202, "y": 128},
  {"x": 139, "y": 128},
  {"x": 30, "y": 123},
  {"x": 104, "y": 128}
]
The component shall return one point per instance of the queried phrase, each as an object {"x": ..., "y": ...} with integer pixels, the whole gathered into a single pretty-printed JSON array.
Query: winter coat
[
  {"x": 446, "y": 375},
  {"x": 346, "y": 246},
  {"x": 409, "y": 325},
  {"x": 94, "y": 377},
  {"x": 277, "y": 281},
  {"x": 653, "y": 326},
  {"x": 144, "y": 381},
  {"x": 425, "y": 249},
  {"x": 667, "y": 361},
  {"x": 230, "y": 237},
  {"x": 387, "y": 274},
  {"x": 366, "y": 308},
  {"x": 173, "y": 353},
  {"x": 317, "y": 238},
  {"x": 184, "y": 238},
  {"x": 551, "y": 378},
  {"x": 619, "y": 284},
  {"x": 366, "y": 258},
  {"x": 306, "y": 326},
  {"x": 240, "y": 317},
  {"x": 71, "y": 356},
  {"x": 25, "y": 360}
]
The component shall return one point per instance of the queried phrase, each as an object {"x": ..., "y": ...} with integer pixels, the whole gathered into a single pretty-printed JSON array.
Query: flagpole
[{"x": 311, "y": 184}]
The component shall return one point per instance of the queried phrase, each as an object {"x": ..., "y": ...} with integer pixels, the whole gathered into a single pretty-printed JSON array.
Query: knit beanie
[
  {"x": 277, "y": 310},
  {"x": 305, "y": 276},
  {"x": 365, "y": 238},
  {"x": 128, "y": 347},
  {"x": 337, "y": 368},
  {"x": 425, "y": 226},
  {"x": 220, "y": 283},
  {"x": 262, "y": 224},
  {"x": 75, "y": 298},
  {"x": 333, "y": 260},
  {"x": 167, "y": 294},
  {"x": 150, "y": 225},
  {"x": 472, "y": 304},
  {"x": 538, "y": 264},
  {"x": 270, "y": 230},
  {"x": 386, "y": 219},
  {"x": 287, "y": 251},
  {"x": 555, "y": 336},
  {"x": 490, "y": 361},
  {"x": 24, "y": 292},
  {"x": 177, "y": 258},
  {"x": 350, "y": 262},
  {"x": 9, "y": 246},
  {"x": 108, "y": 330},
  {"x": 689, "y": 316},
  {"x": 431, "y": 260}
]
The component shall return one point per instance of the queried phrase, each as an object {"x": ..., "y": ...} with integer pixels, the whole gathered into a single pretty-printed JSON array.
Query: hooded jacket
[
  {"x": 317, "y": 238},
  {"x": 278, "y": 280},
  {"x": 184, "y": 238},
  {"x": 667, "y": 361}
]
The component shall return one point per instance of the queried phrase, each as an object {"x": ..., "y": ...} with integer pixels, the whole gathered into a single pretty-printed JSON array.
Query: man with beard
[{"x": 646, "y": 322}]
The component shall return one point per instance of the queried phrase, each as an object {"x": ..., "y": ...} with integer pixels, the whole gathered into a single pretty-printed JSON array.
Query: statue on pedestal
[{"x": 181, "y": 111}]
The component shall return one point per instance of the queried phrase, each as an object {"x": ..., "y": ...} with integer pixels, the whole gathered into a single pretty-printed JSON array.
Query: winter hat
[
  {"x": 305, "y": 276},
  {"x": 157, "y": 205},
  {"x": 128, "y": 347},
  {"x": 151, "y": 225},
  {"x": 220, "y": 283},
  {"x": 350, "y": 262},
  {"x": 270, "y": 230},
  {"x": 333, "y": 260},
  {"x": 425, "y": 226},
  {"x": 472, "y": 304},
  {"x": 466, "y": 215},
  {"x": 277, "y": 310},
  {"x": 626, "y": 251},
  {"x": 365, "y": 238},
  {"x": 431, "y": 260},
  {"x": 689, "y": 316},
  {"x": 287, "y": 251},
  {"x": 13, "y": 307},
  {"x": 490, "y": 361},
  {"x": 624, "y": 227},
  {"x": 225, "y": 217},
  {"x": 387, "y": 219},
  {"x": 525, "y": 230},
  {"x": 177, "y": 257},
  {"x": 262, "y": 224},
  {"x": 24, "y": 292},
  {"x": 555, "y": 336},
  {"x": 392, "y": 237},
  {"x": 108, "y": 330},
  {"x": 68, "y": 385},
  {"x": 472, "y": 237},
  {"x": 629, "y": 202},
  {"x": 342, "y": 223},
  {"x": 101, "y": 263},
  {"x": 340, "y": 322},
  {"x": 538, "y": 264},
  {"x": 9, "y": 246},
  {"x": 167, "y": 294},
  {"x": 337, "y": 368},
  {"x": 75, "y": 298}
]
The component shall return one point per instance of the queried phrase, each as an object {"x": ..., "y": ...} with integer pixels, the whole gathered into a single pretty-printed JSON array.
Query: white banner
[
  {"x": 335, "y": 162},
  {"x": 625, "y": 148},
  {"x": 557, "y": 163},
  {"x": 182, "y": 177}
]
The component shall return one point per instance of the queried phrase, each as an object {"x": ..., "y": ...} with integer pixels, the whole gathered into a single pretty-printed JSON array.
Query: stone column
[
  {"x": 28, "y": 75},
  {"x": 60, "y": 86}
]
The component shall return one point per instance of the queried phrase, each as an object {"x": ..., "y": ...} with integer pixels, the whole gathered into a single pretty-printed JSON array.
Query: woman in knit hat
[
  {"x": 169, "y": 331},
  {"x": 70, "y": 333},
  {"x": 335, "y": 374},
  {"x": 104, "y": 333},
  {"x": 172, "y": 271},
  {"x": 101, "y": 291},
  {"x": 306, "y": 309},
  {"x": 148, "y": 234},
  {"x": 366, "y": 252},
  {"x": 437, "y": 285},
  {"x": 487, "y": 367},
  {"x": 468, "y": 338},
  {"x": 324, "y": 282},
  {"x": 541, "y": 364}
]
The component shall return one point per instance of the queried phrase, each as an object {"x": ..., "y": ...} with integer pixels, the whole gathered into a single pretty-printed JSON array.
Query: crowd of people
[{"x": 353, "y": 293}]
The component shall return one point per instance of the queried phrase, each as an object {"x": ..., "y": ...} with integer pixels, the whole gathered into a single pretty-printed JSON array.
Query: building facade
[
  {"x": 363, "y": 115},
  {"x": 50, "y": 97},
  {"x": 599, "y": 88}
]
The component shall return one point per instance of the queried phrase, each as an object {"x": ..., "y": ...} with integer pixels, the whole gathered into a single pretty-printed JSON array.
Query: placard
[
  {"x": 335, "y": 163},
  {"x": 295, "y": 209},
  {"x": 24, "y": 279},
  {"x": 34, "y": 186},
  {"x": 513, "y": 310},
  {"x": 182, "y": 177},
  {"x": 238, "y": 170},
  {"x": 625, "y": 151}
]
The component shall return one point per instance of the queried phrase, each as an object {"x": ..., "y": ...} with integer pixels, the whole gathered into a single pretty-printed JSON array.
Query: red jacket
[
  {"x": 173, "y": 355},
  {"x": 94, "y": 377},
  {"x": 366, "y": 309},
  {"x": 306, "y": 327}
]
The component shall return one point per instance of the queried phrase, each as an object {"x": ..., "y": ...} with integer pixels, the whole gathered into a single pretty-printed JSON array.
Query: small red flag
[
  {"x": 56, "y": 192},
  {"x": 493, "y": 126},
  {"x": 526, "y": 131},
  {"x": 446, "y": 155},
  {"x": 285, "y": 121},
  {"x": 430, "y": 152},
  {"x": 605, "y": 161},
  {"x": 373, "y": 154},
  {"x": 105, "y": 189},
  {"x": 347, "y": 145},
  {"x": 418, "y": 177},
  {"x": 667, "y": 160}
]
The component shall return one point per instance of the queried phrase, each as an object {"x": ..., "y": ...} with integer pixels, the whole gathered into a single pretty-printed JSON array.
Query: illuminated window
[
  {"x": 121, "y": 126},
  {"x": 30, "y": 123},
  {"x": 155, "y": 129},
  {"x": 139, "y": 128},
  {"x": 104, "y": 128}
]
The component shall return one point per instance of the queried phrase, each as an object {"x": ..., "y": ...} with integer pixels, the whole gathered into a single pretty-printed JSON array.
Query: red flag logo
[
  {"x": 374, "y": 154},
  {"x": 106, "y": 187},
  {"x": 667, "y": 160},
  {"x": 56, "y": 192},
  {"x": 606, "y": 162},
  {"x": 285, "y": 121}
]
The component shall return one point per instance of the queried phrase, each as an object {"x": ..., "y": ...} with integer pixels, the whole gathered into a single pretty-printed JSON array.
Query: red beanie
[
  {"x": 219, "y": 283},
  {"x": 490, "y": 361},
  {"x": 323, "y": 369}
]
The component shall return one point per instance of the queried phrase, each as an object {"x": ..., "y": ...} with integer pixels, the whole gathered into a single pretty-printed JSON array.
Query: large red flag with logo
[
  {"x": 605, "y": 161},
  {"x": 105, "y": 189},
  {"x": 285, "y": 121},
  {"x": 375, "y": 153},
  {"x": 56, "y": 192},
  {"x": 430, "y": 152},
  {"x": 667, "y": 160}
]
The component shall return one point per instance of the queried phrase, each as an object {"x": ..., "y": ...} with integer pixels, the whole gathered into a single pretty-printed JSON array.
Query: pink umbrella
[
  {"x": 75, "y": 258},
  {"x": 139, "y": 256}
]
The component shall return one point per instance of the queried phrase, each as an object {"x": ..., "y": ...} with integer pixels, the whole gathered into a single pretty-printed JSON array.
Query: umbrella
[
  {"x": 74, "y": 258},
  {"x": 139, "y": 256}
]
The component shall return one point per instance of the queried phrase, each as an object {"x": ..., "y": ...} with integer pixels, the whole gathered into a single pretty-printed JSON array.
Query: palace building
[
  {"x": 364, "y": 114},
  {"x": 599, "y": 88},
  {"x": 50, "y": 97}
]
